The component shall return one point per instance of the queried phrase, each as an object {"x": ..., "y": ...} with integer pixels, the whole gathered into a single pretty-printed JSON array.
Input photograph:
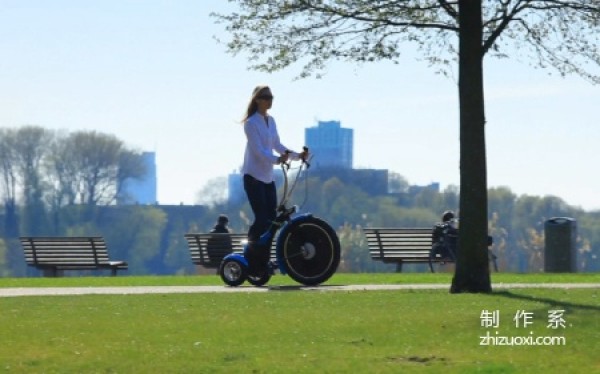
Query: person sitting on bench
[
  {"x": 221, "y": 226},
  {"x": 444, "y": 237},
  {"x": 220, "y": 244}
]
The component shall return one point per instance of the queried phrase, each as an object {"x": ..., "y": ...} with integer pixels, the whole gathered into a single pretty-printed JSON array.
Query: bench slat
[
  {"x": 69, "y": 253},
  {"x": 398, "y": 245}
]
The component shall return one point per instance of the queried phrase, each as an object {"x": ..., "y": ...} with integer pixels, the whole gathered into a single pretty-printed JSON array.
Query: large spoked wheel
[
  {"x": 233, "y": 272},
  {"x": 309, "y": 249}
]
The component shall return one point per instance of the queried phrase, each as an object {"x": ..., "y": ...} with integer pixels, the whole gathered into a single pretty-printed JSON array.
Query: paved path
[{"x": 58, "y": 291}]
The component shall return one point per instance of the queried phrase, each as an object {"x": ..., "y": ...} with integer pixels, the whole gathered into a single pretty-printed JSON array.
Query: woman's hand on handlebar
[
  {"x": 283, "y": 158},
  {"x": 304, "y": 154}
]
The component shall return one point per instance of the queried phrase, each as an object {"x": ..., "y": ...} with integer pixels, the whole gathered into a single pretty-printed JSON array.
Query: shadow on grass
[{"x": 546, "y": 300}]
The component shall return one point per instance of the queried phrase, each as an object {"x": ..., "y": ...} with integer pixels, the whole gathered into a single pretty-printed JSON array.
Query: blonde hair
[{"x": 252, "y": 106}]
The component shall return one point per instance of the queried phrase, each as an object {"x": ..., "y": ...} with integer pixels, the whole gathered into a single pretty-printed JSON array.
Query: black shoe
[{"x": 257, "y": 268}]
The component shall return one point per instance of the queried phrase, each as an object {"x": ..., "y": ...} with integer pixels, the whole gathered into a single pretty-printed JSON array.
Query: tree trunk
[{"x": 472, "y": 268}]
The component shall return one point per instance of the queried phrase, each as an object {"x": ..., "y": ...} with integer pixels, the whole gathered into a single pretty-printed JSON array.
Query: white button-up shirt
[{"x": 262, "y": 140}]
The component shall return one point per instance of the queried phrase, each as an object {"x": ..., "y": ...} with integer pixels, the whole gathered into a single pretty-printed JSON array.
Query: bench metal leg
[
  {"x": 399, "y": 267},
  {"x": 113, "y": 272}
]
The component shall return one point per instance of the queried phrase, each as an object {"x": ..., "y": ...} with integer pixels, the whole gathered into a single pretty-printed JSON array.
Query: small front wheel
[{"x": 233, "y": 272}]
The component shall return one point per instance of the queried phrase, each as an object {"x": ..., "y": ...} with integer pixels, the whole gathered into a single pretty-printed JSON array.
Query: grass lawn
[
  {"x": 338, "y": 278},
  {"x": 300, "y": 331}
]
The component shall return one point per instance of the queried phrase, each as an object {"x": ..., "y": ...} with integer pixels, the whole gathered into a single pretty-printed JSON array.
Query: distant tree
[
  {"x": 499, "y": 236},
  {"x": 533, "y": 245},
  {"x": 90, "y": 167},
  {"x": 450, "y": 197},
  {"x": 588, "y": 226},
  {"x": 430, "y": 198},
  {"x": 31, "y": 145},
  {"x": 4, "y": 268},
  {"x": 61, "y": 176},
  {"x": 135, "y": 234},
  {"x": 397, "y": 183},
  {"x": 23, "y": 151},
  {"x": 9, "y": 181},
  {"x": 562, "y": 34},
  {"x": 354, "y": 251},
  {"x": 214, "y": 192},
  {"x": 502, "y": 201},
  {"x": 174, "y": 254}
]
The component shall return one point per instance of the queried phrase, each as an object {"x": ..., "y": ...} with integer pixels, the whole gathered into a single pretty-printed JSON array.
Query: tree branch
[
  {"x": 277, "y": 34},
  {"x": 505, "y": 19},
  {"x": 448, "y": 7}
]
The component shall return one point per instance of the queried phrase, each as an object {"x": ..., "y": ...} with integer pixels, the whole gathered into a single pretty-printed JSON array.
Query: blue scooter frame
[{"x": 307, "y": 248}]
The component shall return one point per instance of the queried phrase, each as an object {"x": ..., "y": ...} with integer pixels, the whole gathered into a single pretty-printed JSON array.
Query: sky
[{"x": 151, "y": 73}]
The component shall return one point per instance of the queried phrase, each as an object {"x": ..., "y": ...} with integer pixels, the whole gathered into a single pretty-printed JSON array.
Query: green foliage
[
  {"x": 151, "y": 238},
  {"x": 355, "y": 254},
  {"x": 275, "y": 35},
  {"x": 135, "y": 234},
  {"x": 515, "y": 222},
  {"x": 3, "y": 258},
  {"x": 42, "y": 171},
  {"x": 176, "y": 254},
  {"x": 95, "y": 165},
  {"x": 282, "y": 281}
]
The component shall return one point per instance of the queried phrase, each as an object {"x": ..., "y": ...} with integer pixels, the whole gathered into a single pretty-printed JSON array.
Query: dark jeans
[
  {"x": 263, "y": 201},
  {"x": 445, "y": 250}
]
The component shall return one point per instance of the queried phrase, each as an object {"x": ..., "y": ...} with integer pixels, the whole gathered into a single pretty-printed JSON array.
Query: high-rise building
[
  {"x": 332, "y": 148},
  {"x": 141, "y": 191},
  {"x": 331, "y": 145}
]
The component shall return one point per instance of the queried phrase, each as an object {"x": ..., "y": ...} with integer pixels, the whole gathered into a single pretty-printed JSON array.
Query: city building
[
  {"x": 331, "y": 145},
  {"x": 141, "y": 191}
]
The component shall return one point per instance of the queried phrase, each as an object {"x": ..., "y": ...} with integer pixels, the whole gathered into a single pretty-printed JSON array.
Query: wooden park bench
[
  {"x": 52, "y": 255},
  {"x": 405, "y": 245},
  {"x": 208, "y": 249}
]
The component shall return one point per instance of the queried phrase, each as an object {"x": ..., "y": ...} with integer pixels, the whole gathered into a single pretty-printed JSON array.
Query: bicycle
[{"x": 307, "y": 247}]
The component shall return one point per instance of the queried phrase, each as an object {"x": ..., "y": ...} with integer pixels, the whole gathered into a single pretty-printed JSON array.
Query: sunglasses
[{"x": 265, "y": 97}]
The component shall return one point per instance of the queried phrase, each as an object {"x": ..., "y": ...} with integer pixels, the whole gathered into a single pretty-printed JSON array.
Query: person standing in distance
[{"x": 262, "y": 140}]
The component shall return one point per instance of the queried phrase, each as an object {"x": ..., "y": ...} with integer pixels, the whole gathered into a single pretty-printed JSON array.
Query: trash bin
[{"x": 560, "y": 253}]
